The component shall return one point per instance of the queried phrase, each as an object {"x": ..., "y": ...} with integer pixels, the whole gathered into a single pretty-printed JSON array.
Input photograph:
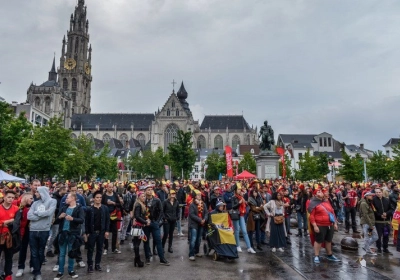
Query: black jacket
[
  {"x": 105, "y": 219},
  {"x": 301, "y": 201},
  {"x": 382, "y": 206},
  {"x": 76, "y": 224},
  {"x": 393, "y": 197},
  {"x": 111, "y": 208},
  {"x": 194, "y": 219},
  {"x": 156, "y": 209},
  {"x": 57, "y": 197},
  {"x": 235, "y": 203},
  {"x": 171, "y": 211},
  {"x": 139, "y": 215}
]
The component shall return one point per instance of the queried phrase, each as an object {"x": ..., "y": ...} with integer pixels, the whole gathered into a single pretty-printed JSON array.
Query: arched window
[
  {"x": 201, "y": 142},
  {"x": 168, "y": 112},
  {"x": 142, "y": 139},
  {"x": 170, "y": 134},
  {"x": 218, "y": 142},
  {"x": 47, "y": 105},
  {"x": 65, "y": 84},
  {"x": 73, "y": 136},
  {"x": 235, "y": 141},
  {"x": 106, "y": 137},
  {"x": 173, "y": 104},
  {"x": 248, "y": 139},
  {"x": 177, "y": 113},
  {"x": 76, "y": 44},
  {"x": 74, "y": 84},
  {"x": 89, "y": 136},
  {"x": 37, "y": 102},
  {"x": 123, "y": 138}
]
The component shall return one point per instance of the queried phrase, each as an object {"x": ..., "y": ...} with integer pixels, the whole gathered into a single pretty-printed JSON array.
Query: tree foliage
[
  {"x": 181, "y": 153},
  {"x": 379, "y": 167},
  {"x": 322, "y": 165},
  {"x": 352, "y": 168},
  {"x": 308, "y": 168},
  {"x": 248, "y": 163},
  {"x": 12, "y": 131},
  {"x": 44, "y": 152},
  {"x": 106, "y": 167},
  {"x": 214, "y": 166},
  {"x": 149, "y": 164}
]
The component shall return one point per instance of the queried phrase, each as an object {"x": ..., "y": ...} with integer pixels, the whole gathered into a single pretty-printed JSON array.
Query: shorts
[{"x": 325, "y": 234}]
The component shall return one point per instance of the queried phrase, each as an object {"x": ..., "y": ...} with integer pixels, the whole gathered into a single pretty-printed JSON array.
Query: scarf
[
  {"x": 200, "y": 210},
  {"x": 242, "y": 206},
  {"x": 278, "y": 203}
]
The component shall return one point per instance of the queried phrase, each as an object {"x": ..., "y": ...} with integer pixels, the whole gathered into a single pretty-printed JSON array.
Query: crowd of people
[{"x": 60, "y": 220}]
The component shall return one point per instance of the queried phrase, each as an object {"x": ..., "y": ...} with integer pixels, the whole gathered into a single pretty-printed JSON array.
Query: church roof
[
  {"x": 182, "y": 93},
  {"x": 107, "y": 121},
  {"x": 50, "y": 84},
  {"x": 224, "y": 121}
]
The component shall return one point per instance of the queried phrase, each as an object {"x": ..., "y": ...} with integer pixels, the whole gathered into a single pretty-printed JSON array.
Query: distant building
[
  {"x": 353, "y": 150},
  {"x": 389, "y": 146}
]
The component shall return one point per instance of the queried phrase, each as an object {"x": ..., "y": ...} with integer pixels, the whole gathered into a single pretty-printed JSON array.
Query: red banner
[
  {"x": 281, "y": 151},
  {"x": 228, "y": 156}
]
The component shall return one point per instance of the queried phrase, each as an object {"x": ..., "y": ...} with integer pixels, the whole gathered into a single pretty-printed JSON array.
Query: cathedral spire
[
  {"x": 182, "y": 93},
  {"x": 53, "y": 73}
]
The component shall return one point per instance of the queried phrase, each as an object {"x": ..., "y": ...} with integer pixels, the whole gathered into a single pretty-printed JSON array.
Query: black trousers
[
  {"x": 114, "y": 230},
  {"x": 8, "y": 256},
  {"x": 350, "y": 212},
  {"x": 381, "y": 238},
  {"x": 23, "y": 251},
  {"x": 169, "y": 228},
  {"x": 95, "y": 239}
]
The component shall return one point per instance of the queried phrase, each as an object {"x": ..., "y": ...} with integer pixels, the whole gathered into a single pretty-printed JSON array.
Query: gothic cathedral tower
[{"x": 75, "y": 63}]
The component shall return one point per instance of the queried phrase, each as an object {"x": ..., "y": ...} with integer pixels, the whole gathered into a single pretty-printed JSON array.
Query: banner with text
[{"x": 228, "y": 156}]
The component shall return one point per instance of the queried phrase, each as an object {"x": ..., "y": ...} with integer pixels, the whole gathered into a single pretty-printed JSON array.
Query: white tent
[{"x": 7, "y": 177}]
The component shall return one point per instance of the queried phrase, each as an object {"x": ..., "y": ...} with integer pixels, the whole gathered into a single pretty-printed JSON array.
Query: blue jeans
[
  {"x": 302, "y": 221},
  {"x": 240, "y": 224},
  {"x": 369, "y": 240},
  {"x": 37, "y": 244},
  {"x": 178, "y": 222},
  {"x": 154, "y": 229},
  {"x": 195, "y": 240},
  {"x": 340, "y": 214},
  {"x": 64, "y": 249}
]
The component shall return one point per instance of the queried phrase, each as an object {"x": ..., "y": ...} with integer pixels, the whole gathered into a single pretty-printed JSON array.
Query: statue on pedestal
[{"x": 267, "y": 137}]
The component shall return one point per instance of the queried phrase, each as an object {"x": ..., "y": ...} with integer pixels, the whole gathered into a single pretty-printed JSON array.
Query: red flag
[
  {"x": 228, "y": 156},
  {"x": 281, "y": 151}
]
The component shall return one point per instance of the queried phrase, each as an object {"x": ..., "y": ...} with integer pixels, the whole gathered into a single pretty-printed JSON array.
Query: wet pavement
[{"x": 295, "y": 263}]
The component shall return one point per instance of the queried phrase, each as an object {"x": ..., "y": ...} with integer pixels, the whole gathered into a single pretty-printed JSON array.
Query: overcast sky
[{"x": 305, "y": 66}]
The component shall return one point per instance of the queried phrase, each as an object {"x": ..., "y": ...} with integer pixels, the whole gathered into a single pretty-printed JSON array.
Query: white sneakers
[
  {"x": 274, "y": 249},
  {"x": 55, "y": 268},
  {"x": 239, "y": 249},
  {"x": 19, "y": 273},
  {"x": 81, "y": 264},
  {"x": 251, "y": 250},
  {"x": 105, "y": 252},
  {"x": 281, "y": 250},
  {"x": 192, "y": 258}
]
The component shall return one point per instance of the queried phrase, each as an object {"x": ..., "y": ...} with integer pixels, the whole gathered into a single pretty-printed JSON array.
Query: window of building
[
  {"x": 388, "y": 153},
  {"x": 74, "y": 84},
  {"x": 47, "y": 105},
  {"x": 44, "y": 122},
  {"x": 196, "y": 168},
  {"x": 37, "y": 102},
  {"x": 73, "y": 96},
  {"x": 76, "y": 44},
  {"x": 218, "y": 142},
  {"x": 330, "y": 142},
  {"x": 142, "y": 139},
  {"x": 168, "y": 113},
  {"x": 325, "y": 145},
  {"x": 106, "y": 137},
  {"x": 89, "y": 136},
  {"x": 300, "y": 155},
  {"x": 196, "y": 176},
  {"x": 173, "y": 104},
  {"x": 235, "y": 142},
  {"x": 201, "y": 142},
  {"x": 248, "y": 139},
  {"x": 123, "y": 138},
  {"x": 177, "y": 113},
  {"x": 320, "y": 142},
  {"x": 65, "y": 84},
  {"x": 170, "y": 134}
]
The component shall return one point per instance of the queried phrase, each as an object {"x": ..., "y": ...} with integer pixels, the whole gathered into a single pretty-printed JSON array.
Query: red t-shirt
[
  {"x": 352, "y": 199},
  {"x": 320, "y": 216},
  {"x": 6, "y": 214}
]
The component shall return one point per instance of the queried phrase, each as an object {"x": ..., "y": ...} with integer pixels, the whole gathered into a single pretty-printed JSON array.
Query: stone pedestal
[{"x": 267, "y": 165}]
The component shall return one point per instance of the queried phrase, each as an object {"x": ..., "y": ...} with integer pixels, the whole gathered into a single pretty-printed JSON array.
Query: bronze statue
[{"x": 267, "y": 137}]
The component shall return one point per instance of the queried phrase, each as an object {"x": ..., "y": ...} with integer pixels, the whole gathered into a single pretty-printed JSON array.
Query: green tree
[
  {"x": 394, "y": 164},
  {"x": 106, "y": 167},
  {"x": 213, "y": 163},
  {"x": 247, "y": 163},
  {"x": 289, "y": 171},
  {"x": 149, "y": 164},
  {"x": 352, "y": 168},
  {"x": 80, "y": 160},
  {"x": 322, "y": 165},
  {"x": 379, "y": 167},
  {"x": 44, "y": 152},
  {"x": 308, "y": 169},
  {"x": 12, "y": 131},
  {"x": 181, "y": 153}
]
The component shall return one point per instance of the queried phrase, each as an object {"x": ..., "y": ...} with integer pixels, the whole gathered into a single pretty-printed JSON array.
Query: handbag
[
  {"x": 137, "y": 231},
  {"x": 331, "y": 216},
  {"x": 278, "y": 219},
  {"x": 234, "y": 214},
  {"x": 256, "y": 217}
]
